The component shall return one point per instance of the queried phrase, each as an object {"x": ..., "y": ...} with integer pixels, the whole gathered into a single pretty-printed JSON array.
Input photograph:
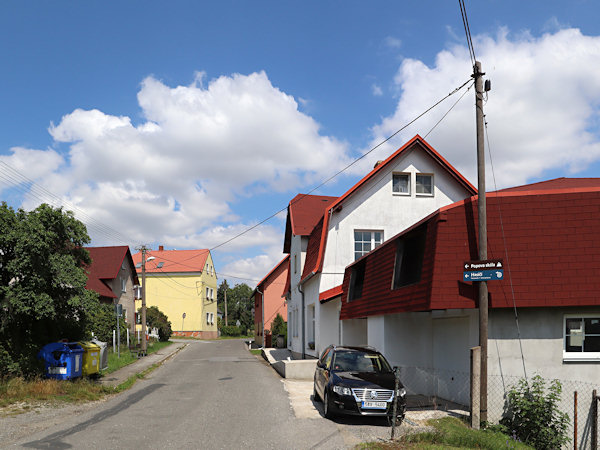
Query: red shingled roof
[
  {"x": 414, "y": 143},
  {"x": 553, "y": 249},
  {"x": 173, "y": 261},
  {"x": 330, "y": 294},
  {"x": 304, "y": 211},
  {"x": 105, "y": 266}
]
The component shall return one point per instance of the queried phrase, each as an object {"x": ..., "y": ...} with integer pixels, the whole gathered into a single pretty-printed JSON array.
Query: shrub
[
  {"x": 532, "y": 414},
  {"x": 231, "y": 330},
  {"x": 156, "y": 318}
]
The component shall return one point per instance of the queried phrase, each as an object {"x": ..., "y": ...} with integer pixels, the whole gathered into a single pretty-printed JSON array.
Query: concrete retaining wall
[{"x": 297, "y": 369}]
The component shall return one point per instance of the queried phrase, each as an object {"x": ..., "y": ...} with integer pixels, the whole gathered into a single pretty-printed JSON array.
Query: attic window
[
  {"x": 424, "y": 186},
  {"x": 160, "y": 264},
  {"x": 401, "y": 183},
  {"x": 138, "y": 265},
  {"x": 409, "y": 258},
  {"x": 357, "y": 279}
]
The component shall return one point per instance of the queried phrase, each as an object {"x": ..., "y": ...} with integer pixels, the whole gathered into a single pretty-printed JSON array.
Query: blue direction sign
[{"x": 483, "y": 270}]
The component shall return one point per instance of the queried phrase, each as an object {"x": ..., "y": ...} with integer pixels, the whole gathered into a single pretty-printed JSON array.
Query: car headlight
[
  {"x": 401, "y": 392},
  {"x": 341, "y": 390}
]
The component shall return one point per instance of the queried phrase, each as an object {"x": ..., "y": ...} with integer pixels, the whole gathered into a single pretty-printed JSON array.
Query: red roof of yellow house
[{"x": 173, "y": 261}]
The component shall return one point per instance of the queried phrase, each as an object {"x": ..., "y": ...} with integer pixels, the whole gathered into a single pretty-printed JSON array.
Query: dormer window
[
  {"x": 424, "y": 185},
  {"x": 357, "y": 279},
  {"x": 410, "y": 250}
]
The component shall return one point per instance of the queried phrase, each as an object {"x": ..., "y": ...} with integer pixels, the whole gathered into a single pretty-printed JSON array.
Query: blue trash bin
[{"x": 62, "y": 360}]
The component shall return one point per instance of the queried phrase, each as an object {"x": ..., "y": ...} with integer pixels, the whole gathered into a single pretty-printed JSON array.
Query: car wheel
[
  {"x": 327, "y": 407},
  {"x": 316, "y": 397}
]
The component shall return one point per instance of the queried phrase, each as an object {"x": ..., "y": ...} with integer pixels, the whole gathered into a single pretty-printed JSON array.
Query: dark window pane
[
  {"x": 592, "y": 325},
  {"x": 591, "y": 344}
]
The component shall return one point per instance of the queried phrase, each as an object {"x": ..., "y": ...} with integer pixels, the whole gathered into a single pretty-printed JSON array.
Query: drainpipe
[{"x": 262, "y": 305}]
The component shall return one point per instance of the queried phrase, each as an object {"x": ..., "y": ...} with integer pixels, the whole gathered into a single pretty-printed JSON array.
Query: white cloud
[
  {"x": 392, "y": 42},
  {"x": 32, "y": 163},
  {"x": 253, "y": 269},
  {"x": 542, "y": 110},
  {"x": 173, "y": 177},
  {"x": 376, "y": 90}
]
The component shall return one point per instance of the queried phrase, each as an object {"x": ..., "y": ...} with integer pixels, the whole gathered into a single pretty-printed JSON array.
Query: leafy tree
[
  {"x": 156, "y": 318},
  {"x": 42, "y": 284},
  {"x": 104, "y": 322},
  {"x": 533, "y": 415},
  {"x": 239, "y": 304}
]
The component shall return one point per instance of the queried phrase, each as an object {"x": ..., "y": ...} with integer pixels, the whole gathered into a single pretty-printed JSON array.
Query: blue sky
[{"x": 184, "y": 125}]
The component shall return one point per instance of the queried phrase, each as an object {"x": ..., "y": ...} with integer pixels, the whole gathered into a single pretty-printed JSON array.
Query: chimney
[
  {"x": 161, "y": 248},
  {"x": 377, "y": 163}
]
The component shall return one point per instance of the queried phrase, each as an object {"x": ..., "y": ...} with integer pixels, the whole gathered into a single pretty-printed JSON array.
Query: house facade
[
  {"x": 269, "y": 299},
  {"x": 183, "y": 285},
  {"x": 112, "y": 275},
  {"x": 410, "y": 184},
  {"x": 544, "y": 315}
]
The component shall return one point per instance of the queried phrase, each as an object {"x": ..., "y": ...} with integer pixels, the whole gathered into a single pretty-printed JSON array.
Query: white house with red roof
[
  {"x": 112, "y": 275},
  {"x": 544, "y": 315},
  {"x": 410, "y": 184}
]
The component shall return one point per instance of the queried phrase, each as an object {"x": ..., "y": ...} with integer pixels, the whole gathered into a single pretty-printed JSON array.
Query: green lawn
[
  {"x": 115, "y": 362},
  {"x": 449, "y": 433}
]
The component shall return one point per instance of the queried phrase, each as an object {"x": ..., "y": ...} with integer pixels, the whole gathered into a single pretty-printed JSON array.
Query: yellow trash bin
[{"x": 91, "y": 358}]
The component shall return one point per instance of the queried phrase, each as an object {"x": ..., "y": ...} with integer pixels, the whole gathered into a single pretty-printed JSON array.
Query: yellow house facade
[{"x": 183, "y": 285}]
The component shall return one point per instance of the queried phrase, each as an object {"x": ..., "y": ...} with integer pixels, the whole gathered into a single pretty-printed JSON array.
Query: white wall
[
  {"x": 329, "y": 324},
  {"x": 354, "y": 332},
  {"x": 297, "y": 249},
  {"x": 376, "y": 333}
]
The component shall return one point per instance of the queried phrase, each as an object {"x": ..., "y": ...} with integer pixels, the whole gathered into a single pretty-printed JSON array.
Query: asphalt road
[{"x": 210, "y": 395}]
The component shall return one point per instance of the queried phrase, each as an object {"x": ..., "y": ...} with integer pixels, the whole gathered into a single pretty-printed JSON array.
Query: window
[
  {"x": 582, "y": 337},
  {"x": 365, "y": 241},
  {"x": 123, "y": 285},
  {"x": 357, "y": 279},
  {"x": 212, "y": 294},
  {"x": 160, "y": 264},
  {"x": 138, "y": 265},
  {"x": 409, "y": 258},
  {"x": 295, "y": 263},
  {"x": 311, "y": 323},
  {"x": 424, "y": 184},
  {"x": 208, "y": 318},
  {"x": 212, "y": 318},
  {"x": 207, "y": 293},
  {"x": 401, "y": 183}
]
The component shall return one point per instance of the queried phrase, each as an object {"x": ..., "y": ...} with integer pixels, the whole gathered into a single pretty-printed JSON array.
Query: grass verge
[
  {"x": 49, "y": 391},
  {"x": 449, "y": 432},
  {"x": 255, "y": 351}
]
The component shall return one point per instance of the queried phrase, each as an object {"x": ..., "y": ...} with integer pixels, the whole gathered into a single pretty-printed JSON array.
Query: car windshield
[{"x": 353, "y": 361}]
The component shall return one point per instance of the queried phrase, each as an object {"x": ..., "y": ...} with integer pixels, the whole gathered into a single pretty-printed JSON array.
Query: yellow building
[{"x": 183, "y": 285}]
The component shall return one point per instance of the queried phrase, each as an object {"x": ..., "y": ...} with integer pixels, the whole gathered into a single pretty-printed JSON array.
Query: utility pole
[
  {"x": 143, "y": 346},
  {"x": 225, "y": 291},
  {"x": 482, "y": 215}
]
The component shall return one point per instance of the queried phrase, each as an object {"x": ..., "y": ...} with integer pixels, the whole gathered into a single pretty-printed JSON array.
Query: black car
[{"x": 358, "y": 381}]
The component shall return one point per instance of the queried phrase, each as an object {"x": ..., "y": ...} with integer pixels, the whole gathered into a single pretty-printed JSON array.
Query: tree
[
  {"x": 157, "y": 319},
  {"x": 239, "y": 304},
  {"x": 42, "y": 284}
]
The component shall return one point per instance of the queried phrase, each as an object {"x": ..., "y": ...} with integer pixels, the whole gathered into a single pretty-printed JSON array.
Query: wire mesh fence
[{"x": 454, "y": 386}]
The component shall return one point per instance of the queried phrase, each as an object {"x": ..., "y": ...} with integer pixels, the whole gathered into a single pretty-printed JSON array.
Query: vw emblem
[{"x": 373, "y": 394}]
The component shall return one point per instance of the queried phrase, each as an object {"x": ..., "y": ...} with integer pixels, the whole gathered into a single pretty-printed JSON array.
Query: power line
[
  {"x": 463, "y": 12},
  {"x": 448, "y": 112}
]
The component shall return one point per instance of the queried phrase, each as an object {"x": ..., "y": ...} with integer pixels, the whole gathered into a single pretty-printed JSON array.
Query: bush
[
  {"x": 532, "y": 415},
  {"x": 104, "y": 321},
  {"x": 231, "y": 330},
  {"x": 155, "y": 318}
]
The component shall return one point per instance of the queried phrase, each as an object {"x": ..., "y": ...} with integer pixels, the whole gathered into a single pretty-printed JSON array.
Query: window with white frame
[
  {"x": 311, "y": 323},
  {"x": 212, "y": 295},
  {"x": 424, "y": 184},
  {"x": 581, "y": 336},
  {"x": 123, "y": 284},
  {"x": 212, "y": 318},
  {"x": 401, "y": 183},
  {"x": 207, "y": 318},
  {"x": 365, "y": 241},
  {"x": 207, "y": 293}
]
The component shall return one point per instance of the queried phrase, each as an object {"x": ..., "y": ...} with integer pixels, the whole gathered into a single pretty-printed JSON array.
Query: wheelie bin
[
  {"x": 103, "y": 353},
  {"x": 91, "y": 359},
  {"x": 62, "y": 360}
]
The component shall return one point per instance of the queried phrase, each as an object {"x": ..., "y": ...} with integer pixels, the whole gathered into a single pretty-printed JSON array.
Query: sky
[{"x": 185, "y": 123}]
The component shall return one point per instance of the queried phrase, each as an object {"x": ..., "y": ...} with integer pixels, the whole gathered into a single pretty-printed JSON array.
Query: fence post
[
  {"x": 594, "y": 419},
  {"x": 395, "y": 405},
  {"x": 575, "y": 420},
  {"x": 475, "y": 387}
]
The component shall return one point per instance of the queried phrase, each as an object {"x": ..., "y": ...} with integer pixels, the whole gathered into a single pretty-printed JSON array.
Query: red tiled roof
[
  {"x": 312, "y": 249},
  {"x": 557, "y": 183},
  {"x": 304, "y": 211},
  {"x": 553, "y": 250},
  {"x": 330, "y": 294},
  {"x": 409, "y": 146},
  {"x": 173, "y": 261},
  {"x": 105, "y": 266}
]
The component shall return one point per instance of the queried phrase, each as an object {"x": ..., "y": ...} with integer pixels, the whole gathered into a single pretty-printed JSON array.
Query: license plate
[{"x": 374, "y": 405}]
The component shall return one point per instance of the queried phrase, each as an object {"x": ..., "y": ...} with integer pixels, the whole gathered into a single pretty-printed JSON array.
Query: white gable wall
[{"x": 298, "y": 246}]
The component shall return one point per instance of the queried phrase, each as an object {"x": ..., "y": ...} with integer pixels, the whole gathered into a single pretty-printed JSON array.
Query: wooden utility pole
[
  {"x": 482, "y": 215},
  {"x": 225, "y": 292}
]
